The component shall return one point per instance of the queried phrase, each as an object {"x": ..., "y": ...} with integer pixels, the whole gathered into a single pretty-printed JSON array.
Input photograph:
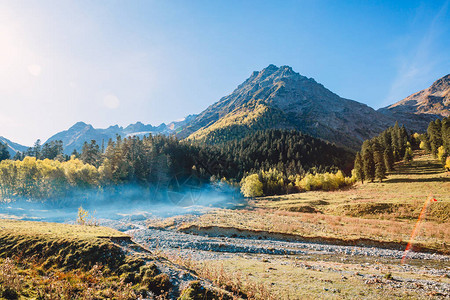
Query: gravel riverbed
[{"x": 225, "y": 246}]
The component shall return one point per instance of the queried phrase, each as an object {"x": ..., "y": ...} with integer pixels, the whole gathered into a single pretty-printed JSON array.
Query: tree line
[{"x": 166, "y": 161}]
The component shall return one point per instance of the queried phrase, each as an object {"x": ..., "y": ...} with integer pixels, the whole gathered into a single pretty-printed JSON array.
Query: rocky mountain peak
[
  {"x": 278, "y": 97},
  {"x": 442, "y": 85},
  {"x": 80, "y": 126}
]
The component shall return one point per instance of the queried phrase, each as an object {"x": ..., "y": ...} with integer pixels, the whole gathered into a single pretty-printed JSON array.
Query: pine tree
[
  {"x": 388, "y": 157},
  {"x": 445, "y": 134},
  {"x": 434, "y": 133},
  {"x": 380, "y": 168},
  {"x": 378, "y": 157},
  {"x": 35, "y": 151},
  {"x": 368, "y": 162},
  {"x": 4, "y": 153},
  {"x": 91, "y": 153},
  {"x": 19, "y": 156},
  {"x": 396, "y": 141},
  {"x": 408, "y": 155},
  {"x": 359, "y": 168}
]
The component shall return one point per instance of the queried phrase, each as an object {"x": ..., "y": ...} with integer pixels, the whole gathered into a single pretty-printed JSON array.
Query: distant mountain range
[
  {"x": 75, "y": 136},
  {"x": 278, "y": 97}
]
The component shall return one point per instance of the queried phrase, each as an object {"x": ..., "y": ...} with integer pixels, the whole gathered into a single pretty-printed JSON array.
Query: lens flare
[{"x": 416, "y": 229}]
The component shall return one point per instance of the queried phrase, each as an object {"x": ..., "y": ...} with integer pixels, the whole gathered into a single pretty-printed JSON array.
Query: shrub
[
  {"x": 159, "y": 284},
  {"x": 251, "y": 186},
  {"x": 442, "y": 154}
]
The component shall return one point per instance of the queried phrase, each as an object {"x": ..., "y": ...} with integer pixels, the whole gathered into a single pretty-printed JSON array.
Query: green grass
[
  {"x": 61, "y": 245},
  {"x": 58, "y": 230}
]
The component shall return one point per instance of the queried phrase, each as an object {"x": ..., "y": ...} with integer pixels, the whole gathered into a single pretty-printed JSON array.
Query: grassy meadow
[{"x": 378, "y": 212}]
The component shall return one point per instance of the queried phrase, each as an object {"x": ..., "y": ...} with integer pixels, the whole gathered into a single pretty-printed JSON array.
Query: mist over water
[{"x": 125, "y": 201}]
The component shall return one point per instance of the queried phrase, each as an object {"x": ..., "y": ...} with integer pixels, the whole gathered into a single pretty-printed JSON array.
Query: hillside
[
  {"x": 278, "y": 97},
  {"x": 418, "y": 109}
]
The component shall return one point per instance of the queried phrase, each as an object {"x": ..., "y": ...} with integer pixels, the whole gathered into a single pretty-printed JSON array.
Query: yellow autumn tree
[{"x": 251, "y": 186}]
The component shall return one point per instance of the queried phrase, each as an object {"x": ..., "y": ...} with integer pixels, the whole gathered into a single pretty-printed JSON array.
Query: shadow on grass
[
  {"x": 418, "y": 173},
  {"x": 411, "y": 180}
]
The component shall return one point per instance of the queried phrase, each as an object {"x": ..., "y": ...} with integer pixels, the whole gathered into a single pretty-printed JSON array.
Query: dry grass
[
  {"x": 321, "y": 280},
  {"x": 400, "y": 196},
  {"x": 26, "y": 280},
  {"x": 236, "y": 285},
  {"x": 58, "y": 230}
]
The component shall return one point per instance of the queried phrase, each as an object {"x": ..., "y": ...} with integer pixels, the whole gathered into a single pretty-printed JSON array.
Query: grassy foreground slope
[
  {"x": 40, "y": 260},
  {"x": 381, "y": 214}
]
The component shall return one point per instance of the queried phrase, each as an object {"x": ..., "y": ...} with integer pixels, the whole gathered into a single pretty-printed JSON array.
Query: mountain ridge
[
  {"x": 433, "y": 100},
  {"x": 422, "y": 107},
  {"x": 13, "y": 147}
]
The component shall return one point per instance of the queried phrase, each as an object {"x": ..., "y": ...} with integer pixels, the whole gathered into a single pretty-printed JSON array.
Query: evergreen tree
[
  {"x": 396, "y": 141},
  {"x": 91, "y": 153},
  {"x": 388, "y": 157},
  {"x": 368, "y": 161},
  {"x": 378, "y": 157},
  {"x": 380, "y": 167},
  {"x": 35, "y": 151},
  {"x": 52, "y": 150},
  {"x": 445, "y": 134},
  {"x": 75, "y": 153},
  {"x": 4, "y": 153},
  {"x": 359, "y": 168},
  {"x": 434, "y": 133},
  {"x": 19, "y": 156}
]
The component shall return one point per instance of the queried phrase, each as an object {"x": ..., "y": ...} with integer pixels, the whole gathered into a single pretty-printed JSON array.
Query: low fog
[{"x": 126, "y": 201}]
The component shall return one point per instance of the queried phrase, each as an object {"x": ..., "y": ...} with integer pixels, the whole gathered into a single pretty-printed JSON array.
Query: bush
[
  {"x": 195, "y": 291},
  {"x": 10, "y": 294},
  {"x": 251, "y": 186},
  {"x": 326, "y": 181},
  {"x": 442, "y": 154}
]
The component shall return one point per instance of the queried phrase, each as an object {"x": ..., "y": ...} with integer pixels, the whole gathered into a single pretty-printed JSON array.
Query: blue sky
[{"x": 118, "y": 62}]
